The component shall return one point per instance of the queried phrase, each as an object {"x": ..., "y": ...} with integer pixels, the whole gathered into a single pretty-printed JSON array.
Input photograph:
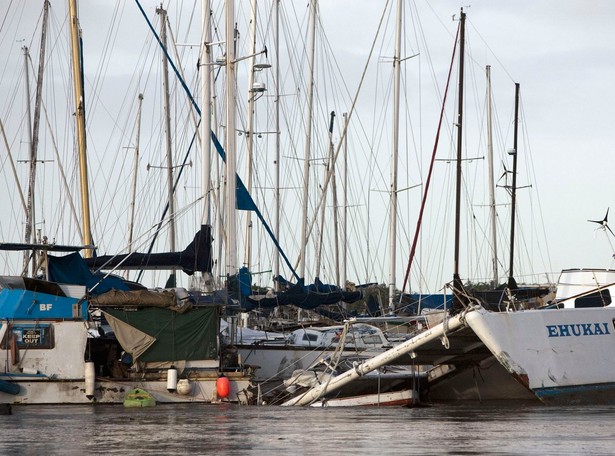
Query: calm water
[{"x": 234, "y": 430}]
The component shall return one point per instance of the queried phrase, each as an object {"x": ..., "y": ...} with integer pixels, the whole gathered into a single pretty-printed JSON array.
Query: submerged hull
[
  {"x": 390, "y": 399},
  {"x": 564, "y": 356},
  {"x": 488, "y": 380},
  {"x": 279, "y": 362}
]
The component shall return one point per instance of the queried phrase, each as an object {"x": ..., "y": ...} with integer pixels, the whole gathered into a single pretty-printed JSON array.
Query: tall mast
[
  {"x": 167, "y": 123},
  {"x": 33, "y": 133},
  {"x": 205, "y": 69},
  {"x": 513, "y": 208},
  {"x": 250, "y": 133},
  {"x": 80, "y": 120},
  {"x": 345, "y": 207},
  {"x": 30, "y": 220},
  {"x": 133, "y": 196},
  {"x": 335, "y": 204},
  {"x": 308, "y": 138},
  {"x": 329, "y": 168},
  {"x": 394, "y": 159},
  {"x": 231, "y": 159},
  {"x": 276, "y": 264},
  {"x": 492, "y": 212},
  {"x": 457, "y": 284}
]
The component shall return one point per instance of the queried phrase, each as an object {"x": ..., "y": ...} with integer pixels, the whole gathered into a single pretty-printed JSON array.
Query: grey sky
[{"x": 560, "y": 52}]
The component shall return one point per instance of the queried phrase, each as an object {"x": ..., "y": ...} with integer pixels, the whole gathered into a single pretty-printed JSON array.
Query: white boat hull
[
  {"x": 561, "y": 355},
  {"x": 279, "y": 362},
  {"x": 393, "y": 398}
]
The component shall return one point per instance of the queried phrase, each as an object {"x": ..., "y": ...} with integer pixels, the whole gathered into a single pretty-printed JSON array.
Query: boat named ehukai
[{"x": 563, "y": 354}]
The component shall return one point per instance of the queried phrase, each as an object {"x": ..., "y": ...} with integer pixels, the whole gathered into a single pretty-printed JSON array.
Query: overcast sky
[{"x": 561, "y": 52}]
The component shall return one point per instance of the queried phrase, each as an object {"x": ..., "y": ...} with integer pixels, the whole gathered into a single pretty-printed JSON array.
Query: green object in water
[{"x": 139, "y": 398}]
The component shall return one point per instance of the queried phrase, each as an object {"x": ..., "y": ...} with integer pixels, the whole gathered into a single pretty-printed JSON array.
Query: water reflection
[{"x": 234, "y": 430}]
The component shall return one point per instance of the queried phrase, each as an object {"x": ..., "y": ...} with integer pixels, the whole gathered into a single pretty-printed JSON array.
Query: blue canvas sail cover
[
  {"x": 72, "y": 269},
  {"x": 196, "y": 257},
  {"x": 304, "y": 296}
]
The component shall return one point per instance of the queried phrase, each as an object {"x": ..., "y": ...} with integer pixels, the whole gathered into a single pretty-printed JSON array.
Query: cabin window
[
  {"x": 371, "y": 340},
  {"x": 600, "y": 298},
  {"x": 30, "y": 337},
  {"x": 310, "y": 337}
]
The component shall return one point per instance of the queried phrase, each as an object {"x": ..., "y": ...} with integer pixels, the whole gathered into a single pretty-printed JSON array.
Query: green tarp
[{"x": 189, "y": 336}]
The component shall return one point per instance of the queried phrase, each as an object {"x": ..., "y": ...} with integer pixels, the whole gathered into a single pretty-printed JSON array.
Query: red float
[{"x": 223, "y": 387}]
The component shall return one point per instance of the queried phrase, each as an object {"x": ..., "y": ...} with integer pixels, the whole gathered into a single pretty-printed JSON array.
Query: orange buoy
[{"x": 223, "y": 387}]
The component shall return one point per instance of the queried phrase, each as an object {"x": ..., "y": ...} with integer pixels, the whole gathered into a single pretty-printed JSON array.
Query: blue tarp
[
  {"x": 71, "y": 269},
  {"x": 305, "y": 296}
]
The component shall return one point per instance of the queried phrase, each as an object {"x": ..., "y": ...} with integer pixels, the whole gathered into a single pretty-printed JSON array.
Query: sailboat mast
[
  {"x": 335, "y": 203},
  {"x": 394, "y": 159},
  {"x": 513, "y": 205},
  {"x": 250, "y": 132},
  {"x": 231, "y": 158},
  {"x": 492, "y": 212},
  {"x": 457, "y": 284},
  {"x": 205, "y": 70},
  {"x": 276, "y": 263},
  {"x": 80, "y": 120},
  {"x": 308, "y": 139},
  {"x": 344, "y": 240},
  {"x": 30, "y": 221},
  {"x": 131, "y": 220},
  {"x": 167, "y": 123}
]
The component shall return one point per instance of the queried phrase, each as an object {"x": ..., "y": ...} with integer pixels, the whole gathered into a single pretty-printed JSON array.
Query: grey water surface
[{"x": 225, "y": 429}]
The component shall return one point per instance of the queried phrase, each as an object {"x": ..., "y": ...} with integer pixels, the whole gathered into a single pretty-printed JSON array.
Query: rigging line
[
  {"x": 166, "y": 207},
  {"x": 429, "y": 174},
  {"x": 525, "y": 134},
  {"x": 217, "y": 144},
  {"x": 345, "y": 130},
  {"x": 493, "y": 53}
]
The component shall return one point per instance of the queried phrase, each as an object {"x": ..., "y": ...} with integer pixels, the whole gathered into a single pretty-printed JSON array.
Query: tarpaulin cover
[{"x": 189, "y": 336}]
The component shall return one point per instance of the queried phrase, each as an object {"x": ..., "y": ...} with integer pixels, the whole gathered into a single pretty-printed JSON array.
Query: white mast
[
  {"x": 131, "y": 219},
  {"x": 205, "y": 70},
  {"x": 167, "y": 109},
  {"x": 335, "y": 204},
  {"x": 492, "y": 212},
  {"x": 308, "y": 139},
  {"x": 250, "y": 132},
  {"x": 231, "y": 159},
  {"x": 276, "y": 264},
  {"x": 345, "y": 208},
  {"x": 394, "y": 158}
]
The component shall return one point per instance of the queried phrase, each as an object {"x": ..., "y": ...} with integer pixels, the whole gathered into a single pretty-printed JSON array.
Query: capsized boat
[
  {"x": 275, "y": 355},
  {"x": 366, "y": 390}
]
